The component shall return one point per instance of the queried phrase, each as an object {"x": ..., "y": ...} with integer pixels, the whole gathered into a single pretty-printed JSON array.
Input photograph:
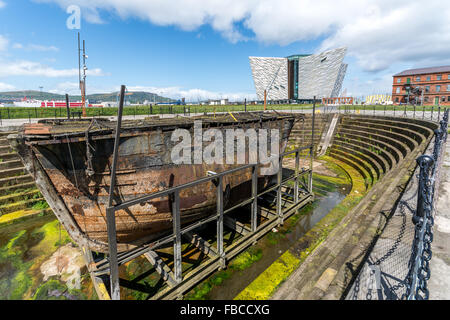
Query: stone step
[
  {"x": 22, "y": 205},
  {"x": 375, "y": 149},
  {"x": 10, "y": 164},
  {"x": 4, "y": 142},
  {"x": 18, "y": 186},
  {"x": 10, "y": 181},
  {"x": 22, "y": 215},
  {"x": 11, "y": 173},
  {"x": 6, "y": 149},
  {"x": 4, "y": 134},
  {"x": 20, "y": 196},
  {"x": 9, "y": 156}
]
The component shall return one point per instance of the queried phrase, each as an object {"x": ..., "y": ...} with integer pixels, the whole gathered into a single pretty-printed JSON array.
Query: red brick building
[{"x": 430, "y": 84}]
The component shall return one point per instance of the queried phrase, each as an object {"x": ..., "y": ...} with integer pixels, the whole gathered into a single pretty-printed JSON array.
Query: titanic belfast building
[{"x": 299, "y": 77}]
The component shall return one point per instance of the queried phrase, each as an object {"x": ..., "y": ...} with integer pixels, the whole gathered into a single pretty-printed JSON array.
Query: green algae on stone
[
  {"x": 270, "y": 279},
  {"x": 56, "y": 290},
  {"x": 267, "y": 282}
]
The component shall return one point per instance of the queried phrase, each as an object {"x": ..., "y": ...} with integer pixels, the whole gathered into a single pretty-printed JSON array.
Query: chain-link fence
[{"x": 398, "y": 264}]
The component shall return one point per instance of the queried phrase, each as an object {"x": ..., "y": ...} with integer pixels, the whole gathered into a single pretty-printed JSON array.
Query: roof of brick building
[{"x": 412, "y": 72}]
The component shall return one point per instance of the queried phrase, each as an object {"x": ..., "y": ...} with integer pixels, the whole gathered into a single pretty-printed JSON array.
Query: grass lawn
[{"x": 26, "y": 113}]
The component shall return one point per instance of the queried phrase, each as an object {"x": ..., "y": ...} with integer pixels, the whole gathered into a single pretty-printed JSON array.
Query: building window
[
  {"x": 417, "y": 78},
  {"x": 427, "y": 89},
  {"x": 439, "y": 77},
  {"x": 448, "y": 87},
  {"x": 429, "y": 78},
  {"x": 438, "y": 88},
  {"x": 448, "y": 98},
  {"x": 399, "y": 80},
  {"x": 426, "y": 99},
  {"x": 398, "y": 90},
  {"x": 408, "y": 80},
  {"x": 396, "y": 99},
  {"x": 443, "y": 99}
]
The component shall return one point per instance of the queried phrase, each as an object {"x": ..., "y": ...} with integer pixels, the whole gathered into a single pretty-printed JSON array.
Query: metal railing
[
  {"x": 419, "y": 268},
  {"x": 432, "y": 113}
]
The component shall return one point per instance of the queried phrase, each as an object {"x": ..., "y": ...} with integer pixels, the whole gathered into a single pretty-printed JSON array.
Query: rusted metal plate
[{"x": 36, "y": 128}]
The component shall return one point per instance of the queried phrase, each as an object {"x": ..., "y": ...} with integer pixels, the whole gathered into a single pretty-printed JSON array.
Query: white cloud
[
  {"x": 35, "y": 47},
  {"x": 2, "y": 4},
  {"x": 193, "y": 95},
  {"x": 30, "y": 68},
  {"x": 3, "y": 43},
  {"x": 6, "y": 87},
  {"x": 378, "y": 33},
  {"x": 66, "y": 87}
]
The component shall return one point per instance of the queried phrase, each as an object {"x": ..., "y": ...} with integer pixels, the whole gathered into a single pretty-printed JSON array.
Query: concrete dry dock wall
[{"x": 380, "y": 151}]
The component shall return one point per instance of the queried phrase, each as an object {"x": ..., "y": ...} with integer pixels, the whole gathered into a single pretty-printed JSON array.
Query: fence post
[
  {"x": 177, "y": 242},
  {"x": 254, "y": 207},
  {"x": 110, "y": 212},
  {"x": 67, "y": 106},
  {"x": 279, "y": 199},
  {"x": 220, "y": 250}
]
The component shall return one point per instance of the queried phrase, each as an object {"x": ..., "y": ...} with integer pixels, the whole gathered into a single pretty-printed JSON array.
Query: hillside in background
[{"x": 134, "y": 97}]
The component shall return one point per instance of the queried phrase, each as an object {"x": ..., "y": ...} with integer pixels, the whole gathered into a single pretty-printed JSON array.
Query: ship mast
[{"x": 82, "y": 79}]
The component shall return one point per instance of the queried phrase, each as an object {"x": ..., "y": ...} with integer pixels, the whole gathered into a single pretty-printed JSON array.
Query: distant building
[
  {"x": 337, "y": 101},
  {"x": 299, "y": 77},
  {"x": 218, "y": 102},
  {"x": 384, "y": 99},
  {"x": 431, "y": 84}
]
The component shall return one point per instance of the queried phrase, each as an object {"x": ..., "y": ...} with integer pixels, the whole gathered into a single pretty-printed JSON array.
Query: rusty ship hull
[{"x": 71, "y": 164}]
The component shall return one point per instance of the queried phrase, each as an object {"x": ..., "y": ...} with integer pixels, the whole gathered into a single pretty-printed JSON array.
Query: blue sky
[{"x": 200, "y": 49}]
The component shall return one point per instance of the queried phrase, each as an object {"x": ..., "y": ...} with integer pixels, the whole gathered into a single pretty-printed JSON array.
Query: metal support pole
[
  {"x": 67, "y": 106},
  {"x": 414, "y": 115},
  {"x": 423, "y": 112},
  {"x": 297, "y": 165},
  {"x": 110, "y": 212},
  {"x": 439, "y": 113},
  {"x": 176, "y": 231},
  {"x": 254, "y": 217},
  {"x": 220, "y": 249},
  {"x": 432, "y": 110},
  {"x": 312, "y": 146},
  {"x": 279, "y": 180},
  {"x": 245, "y": 104}
]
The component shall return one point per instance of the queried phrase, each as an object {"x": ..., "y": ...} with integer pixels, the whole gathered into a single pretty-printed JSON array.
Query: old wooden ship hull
[{"x": 71, "y": 163}]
